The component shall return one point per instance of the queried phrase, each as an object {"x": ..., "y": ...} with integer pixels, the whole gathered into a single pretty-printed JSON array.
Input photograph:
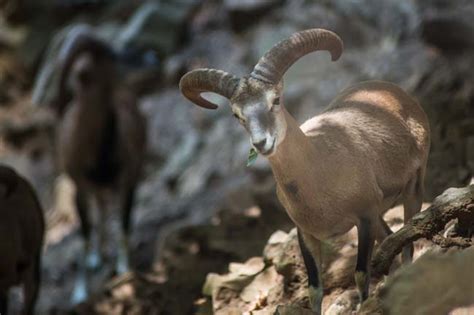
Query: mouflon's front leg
[
  {"x": 311, "y": 251},
  {"x": 80, "y": 291},
  {"x": 128, "y": 198}
]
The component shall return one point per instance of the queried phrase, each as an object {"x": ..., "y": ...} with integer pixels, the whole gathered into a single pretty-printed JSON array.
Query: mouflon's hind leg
[
  {"x": 366, "y": 238},
  {"x": 383, "y": 230},
  {"x": 95, "y": 256},
  {"x": 31, "y": 284},
  {"x": 311, "y": 252},
  {"x": 412, "y": 202},
  {"x": 126, "y": 213},
  {"x": 80, "y": 291}
]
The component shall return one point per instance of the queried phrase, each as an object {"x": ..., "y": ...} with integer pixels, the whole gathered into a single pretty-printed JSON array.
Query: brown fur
[
  {"x": 101, "y": 141},
  {"x": 21, "y": 237},
  {"x": 365, "y": 149},
  {"x": 79, "y": 138},
  {"x": 347, "y": 166}
]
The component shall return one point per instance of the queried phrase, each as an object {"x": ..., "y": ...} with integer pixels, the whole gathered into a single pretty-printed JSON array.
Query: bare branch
[
  {"x": 446, "y": 242},
  {"x": 452, "y": 204}
]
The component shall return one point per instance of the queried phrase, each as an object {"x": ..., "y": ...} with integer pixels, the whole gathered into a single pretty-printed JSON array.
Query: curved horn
[
  {"x": 9, "y": 178},
  {"x": 83, "y": 42},
  {"x": 195, "y": 82},
  {"x": 273, "y": 65}
]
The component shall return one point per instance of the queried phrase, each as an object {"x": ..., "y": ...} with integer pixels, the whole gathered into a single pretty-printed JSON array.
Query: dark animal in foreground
[{"x": 21, "y": 239}]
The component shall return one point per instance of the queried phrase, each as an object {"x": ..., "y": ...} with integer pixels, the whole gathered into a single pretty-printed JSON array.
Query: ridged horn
[
  {"x": 84, "y": 42},
  {"x": 198, "y": 81},
  {"x": 273, "y": 65}
]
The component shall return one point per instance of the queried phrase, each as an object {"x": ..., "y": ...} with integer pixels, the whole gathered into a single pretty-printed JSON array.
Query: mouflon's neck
[
  {"x": 295, "y": 155},
  {"x": 299, "y": 159}
]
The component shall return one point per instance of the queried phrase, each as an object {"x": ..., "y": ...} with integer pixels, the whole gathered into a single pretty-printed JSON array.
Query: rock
[
  {"x": 30, "y": 148},
  {"x": 457, "y": 34},
  {"x": 214, "y": 283},
  {"x": 11, "y": 36},
  {"x": 22, "y": 12},
  {"x": 470, "y": 154},
  {"x": 282, "y": 250},
  {"x": 173, "y": 70},
  {"x": 239, "y": 276},
  {"x": 277, "y": 238},
  {"x": 219, "y": 49},
  {"x": 250, "y": 268},
  {"x": 450, "y": 20},
  {"x": 249, "y": 5},
  {"x": 11, "y": 9},
  {"x": 244, "y": 13},
  {"x": 165, "y": 111},
  {"x": 450, "y": 285},
  {"x": 157, "y": 25},
  {"x": 292, "y": 310},
  {"x": 355, "y": 31},
  {"x": 344, "y": 303},
  {"x": 372, "y": 306},
  {"x": 391, "y": 18},
  {"x": 13, "y": 79},
  {"x": 462, "y": 310},
  {"x": 260, "y": 287},
  {"x": 263, "y": 289}
]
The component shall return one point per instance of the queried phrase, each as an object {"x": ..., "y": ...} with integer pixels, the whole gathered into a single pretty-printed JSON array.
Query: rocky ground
[
  {"x": 276, "y": 282},
  {"x": 199, "y": 208}
]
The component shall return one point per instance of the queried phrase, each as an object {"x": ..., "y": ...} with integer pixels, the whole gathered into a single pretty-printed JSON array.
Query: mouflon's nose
[{"x": 260, "y": 145}]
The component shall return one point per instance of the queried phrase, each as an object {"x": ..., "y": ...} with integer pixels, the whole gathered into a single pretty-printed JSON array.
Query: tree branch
[{"x": 451, "y": 204}]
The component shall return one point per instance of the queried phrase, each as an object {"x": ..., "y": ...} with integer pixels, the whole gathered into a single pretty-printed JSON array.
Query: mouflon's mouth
[{"x": 270, "y": 150}]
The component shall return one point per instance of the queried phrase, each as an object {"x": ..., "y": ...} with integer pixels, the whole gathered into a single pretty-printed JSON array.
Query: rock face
[
  {"x": 196, "y": 158},
  {"x": 450, "y": 285}
]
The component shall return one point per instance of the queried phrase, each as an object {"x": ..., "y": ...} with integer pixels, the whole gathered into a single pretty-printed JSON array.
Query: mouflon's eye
[
  {"x": 236, "y": 116},
  {"x": 275, "y": 105},
  {"x": 276, "y": 101}
]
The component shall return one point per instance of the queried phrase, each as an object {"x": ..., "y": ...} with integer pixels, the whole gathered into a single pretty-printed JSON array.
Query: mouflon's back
[{"x": 377, "y": 127}]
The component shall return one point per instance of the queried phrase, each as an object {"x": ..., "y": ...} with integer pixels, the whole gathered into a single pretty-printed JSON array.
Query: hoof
[
  {"x": 121, "y": 268},
  {"x": 93, "y": 261},
  {"x": 362, "y": 283},
  {"x": 79, "y": 294},
  {"x": 315, "y": 299},
  {"x": 122, "y": 264}
]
